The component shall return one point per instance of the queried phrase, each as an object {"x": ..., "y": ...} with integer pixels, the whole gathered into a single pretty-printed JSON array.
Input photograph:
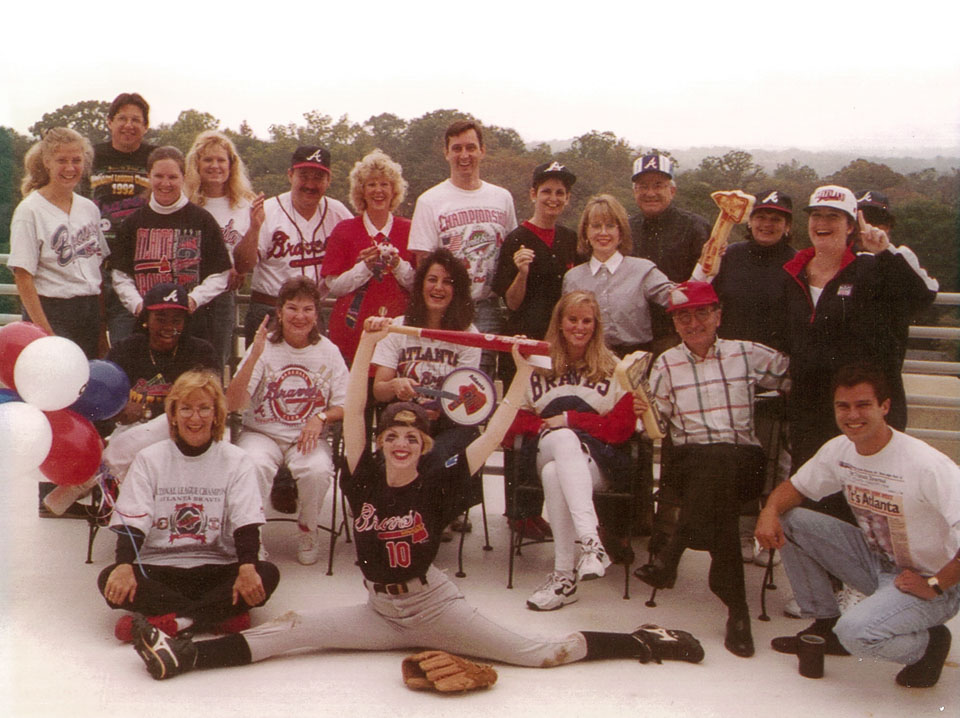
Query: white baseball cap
[{"x": 834, "y": 196}]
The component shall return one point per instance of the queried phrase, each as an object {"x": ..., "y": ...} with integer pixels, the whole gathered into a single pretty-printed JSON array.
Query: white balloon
[
  {"x": 25, "y": 437},
  {"x": 51, "y": 373}
]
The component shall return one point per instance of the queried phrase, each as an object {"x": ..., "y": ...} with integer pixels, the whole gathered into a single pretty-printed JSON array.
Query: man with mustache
[{"x": 293, "y": 237}]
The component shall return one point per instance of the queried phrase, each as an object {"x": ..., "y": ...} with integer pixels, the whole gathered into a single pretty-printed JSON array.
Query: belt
[
  {"x": 261, "y": 298},
  {"x": 398, "y": 589}
]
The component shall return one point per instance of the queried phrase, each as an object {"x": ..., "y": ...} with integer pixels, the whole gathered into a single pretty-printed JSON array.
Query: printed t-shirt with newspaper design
[
  {"x": 470, "y": 223},
  {"x": 290, "y": 385},
  {"x": 905, "y": 497},
  {"x": 709, "y": 400}
]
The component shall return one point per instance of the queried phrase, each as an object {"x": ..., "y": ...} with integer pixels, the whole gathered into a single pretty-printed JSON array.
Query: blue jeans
[{"x": 889, "y": 624}]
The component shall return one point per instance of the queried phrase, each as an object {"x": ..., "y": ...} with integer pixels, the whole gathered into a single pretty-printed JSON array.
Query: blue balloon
[
  {"x": 106, "y": 392},
  {"x": 9, "y": 395}
]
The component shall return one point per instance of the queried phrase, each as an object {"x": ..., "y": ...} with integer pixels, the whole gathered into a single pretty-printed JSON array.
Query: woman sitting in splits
[{"x": 399, "y": 516}]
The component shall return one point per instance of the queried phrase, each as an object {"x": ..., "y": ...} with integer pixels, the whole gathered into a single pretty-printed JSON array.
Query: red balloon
[
  {"x": 13, "y": 338},
  {"x": 76, "y": 450}
]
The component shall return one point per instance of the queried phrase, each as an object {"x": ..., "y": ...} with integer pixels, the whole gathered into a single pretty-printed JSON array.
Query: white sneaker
[
  {"x": 746, "y": 549},
  {"x": 557, "y": 591},
  {"x": 761, "y": 556},
  {"x": 593, "y": 560},
  {"x": 792, "y": 609},
  {"x": 848, "y": 597},
  {"x": 309, "y": 549}
]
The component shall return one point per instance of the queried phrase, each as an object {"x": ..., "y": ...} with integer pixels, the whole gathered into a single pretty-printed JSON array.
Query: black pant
[
  {"x": 203, "y": 593},
  {"x": 708, "y": 483}
]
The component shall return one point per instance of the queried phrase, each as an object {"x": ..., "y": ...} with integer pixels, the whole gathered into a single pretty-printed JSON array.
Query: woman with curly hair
[
  {"x": 56, "y": 244},
  {"x": 573, "y": 420},
  {"x": 403, "y": 364},
  {"x": 367, "y": 265},
  {"x": 216, "y": 179}
]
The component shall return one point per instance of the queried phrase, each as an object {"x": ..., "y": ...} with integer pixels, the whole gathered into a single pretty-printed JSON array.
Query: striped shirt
[{"x": 709, "y": 400}]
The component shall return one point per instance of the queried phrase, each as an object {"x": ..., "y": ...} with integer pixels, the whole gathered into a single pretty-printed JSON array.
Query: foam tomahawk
[{"x": 735, "y": 207}]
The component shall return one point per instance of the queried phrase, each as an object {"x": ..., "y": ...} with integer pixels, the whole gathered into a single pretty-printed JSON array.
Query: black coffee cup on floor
[{"x": 810, "y": 652}]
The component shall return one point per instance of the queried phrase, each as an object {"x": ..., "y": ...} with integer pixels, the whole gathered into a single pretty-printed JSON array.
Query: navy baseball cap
[
  {"x": 553, "y": 169},
  {"x": 404, "y": 413},
  {"x": 876, "y": 208},
  {"x": 653, "y": 162},
  {"x": 311, "y": 156},
  {"x": 774, "y": 199},
  {"x": 166, "y": 296}
]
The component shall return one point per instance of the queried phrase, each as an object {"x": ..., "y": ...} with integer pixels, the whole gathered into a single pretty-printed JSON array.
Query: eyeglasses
[
  {"x": 205, "y": 412},
  {"x": 685, "y": 316}
]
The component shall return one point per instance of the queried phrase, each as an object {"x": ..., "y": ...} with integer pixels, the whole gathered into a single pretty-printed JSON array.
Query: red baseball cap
[{"x": 690, "y": 295}]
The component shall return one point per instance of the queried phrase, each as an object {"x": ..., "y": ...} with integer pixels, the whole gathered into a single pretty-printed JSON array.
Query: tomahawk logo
[
  {"x": 868, "y": 197},
  {"x": 772, "y": 198},
  {"x": 677, "y": 297},
  {"x": 556, "y": 167},
  {"x": 315, "y": 157}
]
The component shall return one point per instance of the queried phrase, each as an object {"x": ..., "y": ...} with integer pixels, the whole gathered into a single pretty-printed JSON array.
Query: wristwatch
[
  {"x": 933, "y": 583},
  {"x": 323, "y": 417}
]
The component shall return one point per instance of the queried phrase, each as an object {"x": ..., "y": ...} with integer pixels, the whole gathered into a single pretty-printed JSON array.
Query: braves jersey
[
  {"x": 472, "y": 224},
  {"x": 189, "y": 506},
  {"x": 290, "y": 385},
  {"x": 397, "y": 529},
  {"x": 234, "y": 221},
  {"x": 289, "y": 245},
  {"x": 62, "y": 251},
  {"x": 426, "y": 361}
]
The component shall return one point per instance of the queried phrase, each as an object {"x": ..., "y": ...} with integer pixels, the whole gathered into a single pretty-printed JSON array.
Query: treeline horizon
[{"x": 925, "y": 202}]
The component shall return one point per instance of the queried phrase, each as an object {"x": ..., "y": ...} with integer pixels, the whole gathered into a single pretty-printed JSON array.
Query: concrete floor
[{"x": 58, "y": 656}]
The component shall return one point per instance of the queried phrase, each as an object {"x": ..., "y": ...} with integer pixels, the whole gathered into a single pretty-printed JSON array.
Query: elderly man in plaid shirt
[{"x": 705, "y": 389}]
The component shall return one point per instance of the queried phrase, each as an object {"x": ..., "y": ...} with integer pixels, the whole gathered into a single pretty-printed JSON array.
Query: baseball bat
[{"x": 496, "y": 342}]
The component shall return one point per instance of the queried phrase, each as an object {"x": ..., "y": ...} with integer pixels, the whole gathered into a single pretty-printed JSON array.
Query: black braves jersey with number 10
[{"x": 397, "y": 529}]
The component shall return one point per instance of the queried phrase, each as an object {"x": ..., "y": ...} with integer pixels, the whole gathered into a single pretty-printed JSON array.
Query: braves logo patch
[{"x": 188, "y": 522}]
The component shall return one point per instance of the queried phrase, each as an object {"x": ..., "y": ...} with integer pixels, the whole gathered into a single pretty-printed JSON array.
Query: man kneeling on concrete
[{"x": 904, "y": 555}]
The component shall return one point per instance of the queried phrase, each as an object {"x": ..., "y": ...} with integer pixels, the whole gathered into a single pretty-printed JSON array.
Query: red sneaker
[{"x": 124, "y": 628}]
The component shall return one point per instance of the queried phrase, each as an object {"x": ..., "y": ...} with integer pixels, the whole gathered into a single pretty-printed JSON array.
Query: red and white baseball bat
[{"x": 496, "y": 342}]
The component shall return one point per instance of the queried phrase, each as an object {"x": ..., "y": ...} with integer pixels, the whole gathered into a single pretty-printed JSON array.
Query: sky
[{"x": 880, "y": 76}]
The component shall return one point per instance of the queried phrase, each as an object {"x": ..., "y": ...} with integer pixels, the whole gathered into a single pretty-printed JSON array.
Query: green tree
[
  {"x": 602, "y": 163},
  {"x": 89, "y": 118},
  {"x": 184, "y": 131},
  {"x": 862, "y": 174}
]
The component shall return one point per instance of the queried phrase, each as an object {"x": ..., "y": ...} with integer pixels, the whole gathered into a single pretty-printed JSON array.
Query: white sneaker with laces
[
  {"x": 593, "y": 561},
  {"x": 557, "y": 591},
  {"x": 308, "y": 551},
  {"x": 761, "y": 556}
]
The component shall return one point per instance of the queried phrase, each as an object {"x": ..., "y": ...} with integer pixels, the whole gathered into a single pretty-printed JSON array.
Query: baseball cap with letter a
[
  {"x": 653, "y": 162},
  {"x": 166, "y": 296},
  {"x": 311, "y": 156}
]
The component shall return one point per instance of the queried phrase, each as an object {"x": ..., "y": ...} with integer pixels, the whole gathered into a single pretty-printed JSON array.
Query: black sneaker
[
  {"x": 926, "y": 672},
  {"x": 164, "y": 656},
  {"x": 790, "y": 644},
  {"x": 669, "y": 644},
  {"x": 284, "y": 494}
]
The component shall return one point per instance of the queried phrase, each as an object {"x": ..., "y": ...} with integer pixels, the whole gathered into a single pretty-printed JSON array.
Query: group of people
[{"x": 178, "y": 236}]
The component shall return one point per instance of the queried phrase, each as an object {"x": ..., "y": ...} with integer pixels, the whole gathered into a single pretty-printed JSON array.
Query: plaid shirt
[{"x": 710, "y": 400}]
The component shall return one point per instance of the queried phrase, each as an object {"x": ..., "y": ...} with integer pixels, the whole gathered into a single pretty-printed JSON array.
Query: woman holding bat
[
  {"x": 400, "y": 507},
  {"x": 412, "y": 368},
  {"x": 573, "y": 419}
]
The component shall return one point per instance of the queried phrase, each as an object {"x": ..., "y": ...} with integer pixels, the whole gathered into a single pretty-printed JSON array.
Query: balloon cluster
[{"x": 54, "y": 395}]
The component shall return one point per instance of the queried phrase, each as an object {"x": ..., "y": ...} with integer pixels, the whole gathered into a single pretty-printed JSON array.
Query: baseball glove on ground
[{"x": 445, "y": 672}]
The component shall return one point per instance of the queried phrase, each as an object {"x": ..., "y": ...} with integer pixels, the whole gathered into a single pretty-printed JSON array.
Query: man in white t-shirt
[
  {"x": 469, "y": 217},
  {"x": 905, "y": 553},
  {"x": 293, "y": 237}
]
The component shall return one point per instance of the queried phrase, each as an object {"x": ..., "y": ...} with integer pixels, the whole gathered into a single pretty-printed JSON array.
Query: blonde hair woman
[
  {"x": 56, "y": 243},
  {"x": 573, "y": 418}
]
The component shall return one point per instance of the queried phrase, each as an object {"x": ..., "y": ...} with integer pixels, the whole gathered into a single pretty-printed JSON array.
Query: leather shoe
[
  {"x": 739, "y": 640},
  {"x": 926, "y": 672},
  {"x": 790, "y": 644},
  {"x": 284, "y": 493},
  {"x": 657, "y": 575}
]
